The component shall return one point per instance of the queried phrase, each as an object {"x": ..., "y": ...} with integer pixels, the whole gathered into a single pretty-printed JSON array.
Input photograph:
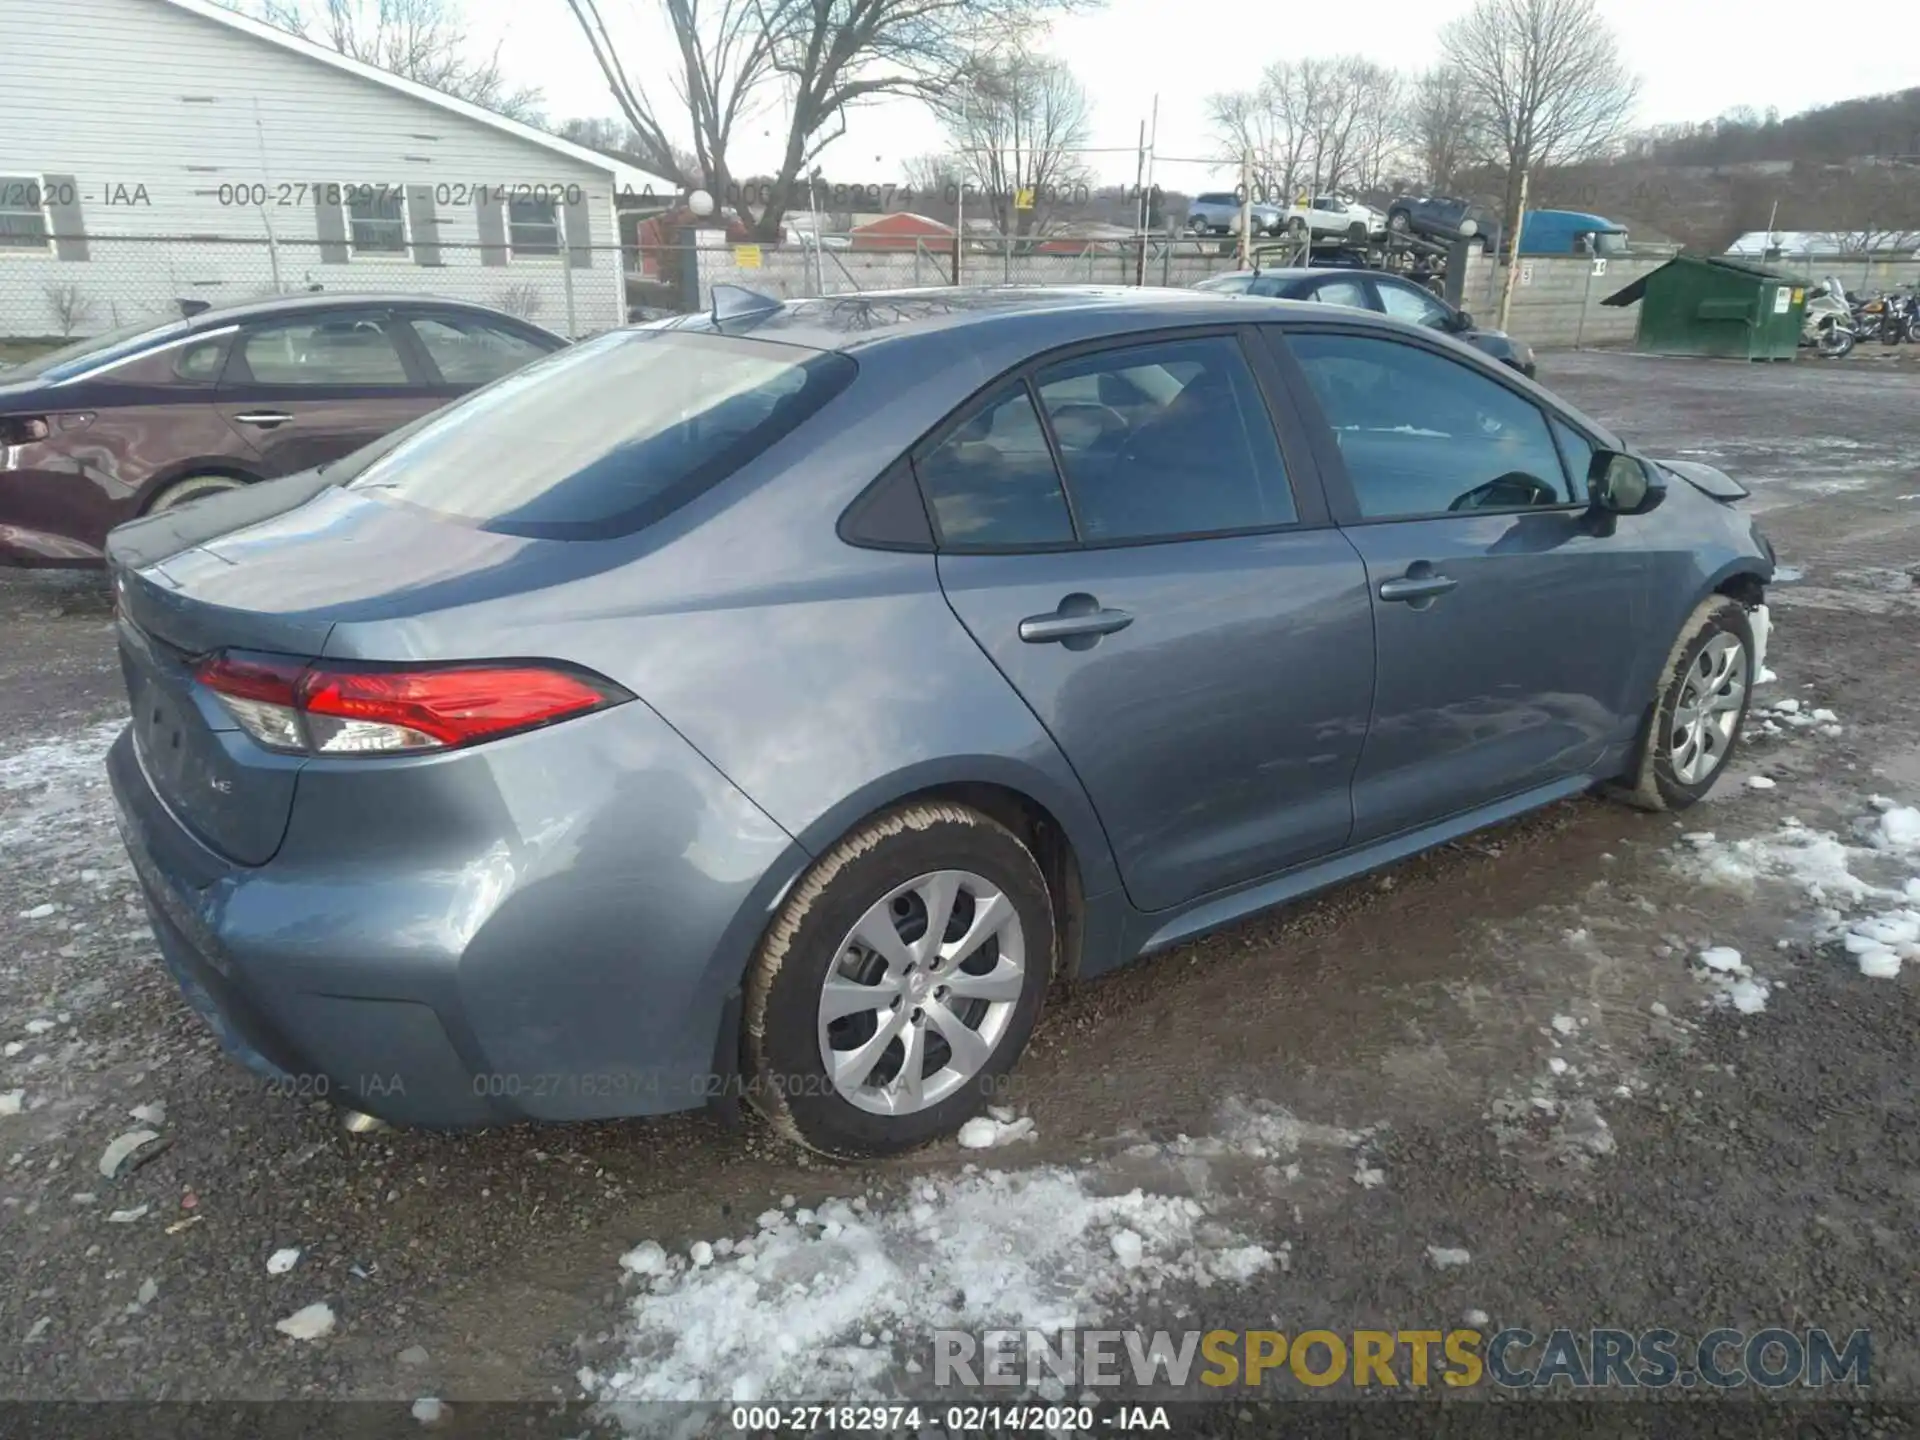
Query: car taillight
[{"x": 343, "y": 710}]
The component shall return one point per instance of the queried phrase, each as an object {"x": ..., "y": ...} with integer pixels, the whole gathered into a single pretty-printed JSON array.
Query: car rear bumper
[{"x": 525, "y": 974}]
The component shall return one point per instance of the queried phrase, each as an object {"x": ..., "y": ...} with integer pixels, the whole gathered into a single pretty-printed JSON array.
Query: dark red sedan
[{"x": 134, "y": 422}]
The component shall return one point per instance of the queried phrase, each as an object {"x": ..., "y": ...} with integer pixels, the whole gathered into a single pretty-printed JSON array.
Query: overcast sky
[{"x": 1695, "y": 59}]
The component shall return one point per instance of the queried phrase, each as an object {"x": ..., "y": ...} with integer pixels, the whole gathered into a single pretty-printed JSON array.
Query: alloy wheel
[
  {"x": 1708, "y": 710},
  {"x": 921, "y": 991}
]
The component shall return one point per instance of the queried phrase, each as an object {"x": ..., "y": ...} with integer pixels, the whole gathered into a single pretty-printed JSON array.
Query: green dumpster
[{"x": 1710, "y": 305}]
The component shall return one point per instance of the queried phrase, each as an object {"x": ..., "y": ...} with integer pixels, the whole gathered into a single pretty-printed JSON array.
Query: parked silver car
[
  {"x": 780, "y": 702},
  {"x": 1218, "y": 213}
]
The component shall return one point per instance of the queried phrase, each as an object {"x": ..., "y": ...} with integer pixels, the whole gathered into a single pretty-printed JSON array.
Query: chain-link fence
[{"x": 92, "y": 284}]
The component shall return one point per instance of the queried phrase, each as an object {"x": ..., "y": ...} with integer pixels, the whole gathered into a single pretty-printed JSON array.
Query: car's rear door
[
  {"x": 310, "y": 386},
  {"x": 1179, "y": 614},
  {"x": 1507, "y": 621}
]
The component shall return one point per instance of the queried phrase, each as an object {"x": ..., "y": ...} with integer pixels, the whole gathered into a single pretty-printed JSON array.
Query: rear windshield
[
  {"x": 608, "y": 435},
  {"x": 70, "y": 360}
]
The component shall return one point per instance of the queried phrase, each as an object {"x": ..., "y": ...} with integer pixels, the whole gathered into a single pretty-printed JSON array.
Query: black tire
[
  {"x": 787, "y": 1079},
  {"x": 190, "y": 487},
  {"x": 1400, "y": 222},
  {"x": 1296, "y": 227},
  {"x": 1654, "y": 785}
]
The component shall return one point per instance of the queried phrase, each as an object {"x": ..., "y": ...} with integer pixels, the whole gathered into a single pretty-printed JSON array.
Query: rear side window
[
  {"x": 992, "y": 483},
  {"x": 1166, "y": 440},
  {"x": 608, "y": 435}
]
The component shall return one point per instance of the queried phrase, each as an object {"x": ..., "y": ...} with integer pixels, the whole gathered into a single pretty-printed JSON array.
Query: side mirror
[
  {"x": 1462, "y": 320},
  {"x": 1621, "y": 484}
]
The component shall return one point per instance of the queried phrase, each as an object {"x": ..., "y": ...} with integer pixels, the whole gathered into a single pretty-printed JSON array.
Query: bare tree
[
  {"x": 420, "y": 40},
  {"x": 1312, "y": 125},
  {"x": 829, "y": 56},
  {"x": 72, "y": 308},
  {"x": 1445, "y": 127},
  {"x": 1546, "y": 79},
  {"x": 1018, "y": 121},
  {"x": 523, "y": 300}
]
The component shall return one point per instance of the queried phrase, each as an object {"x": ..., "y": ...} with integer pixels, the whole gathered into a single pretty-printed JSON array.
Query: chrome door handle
[
  {"x": 265, "y": 419},
  {"x": 1416, "y": 587}
]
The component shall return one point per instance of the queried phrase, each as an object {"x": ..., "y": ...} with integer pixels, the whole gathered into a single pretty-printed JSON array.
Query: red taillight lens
[
  {"x": 446, "y": 707},
  {"x": 331, "y": 710}
]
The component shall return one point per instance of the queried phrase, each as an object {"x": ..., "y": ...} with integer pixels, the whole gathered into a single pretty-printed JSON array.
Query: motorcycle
[
  {"x": 1828, "y": 322},
  {"x": 1868, "y": 313},
  {"x": 1901, "y": 321}
]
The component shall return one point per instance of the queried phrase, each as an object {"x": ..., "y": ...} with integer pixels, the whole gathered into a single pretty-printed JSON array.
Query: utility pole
[
  {"x": 1144, "y": 184},
  {"x": 960, "y": 200},
  {"x": 1246, "y": 210},
  {"x": 1139, "y": 209},
  {"x": 1513, "y": 253}
]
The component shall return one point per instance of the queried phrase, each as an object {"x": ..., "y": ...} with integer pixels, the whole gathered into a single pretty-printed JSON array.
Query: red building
[{"x": 902, "y": 231}]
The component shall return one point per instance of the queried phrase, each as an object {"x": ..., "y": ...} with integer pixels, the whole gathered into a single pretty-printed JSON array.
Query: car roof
[
  {"x": 322, "y": 300},
  {"x": 1040, "y": 316}
]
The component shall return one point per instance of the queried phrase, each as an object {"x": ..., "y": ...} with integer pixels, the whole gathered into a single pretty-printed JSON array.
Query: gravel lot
[{"x": 1506, "y": 1048}]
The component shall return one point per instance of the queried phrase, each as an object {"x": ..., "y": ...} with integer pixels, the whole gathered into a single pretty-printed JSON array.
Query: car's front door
[
  {"x": 306, "y": 388},
  {"x": 1507, "y": 621},
  {"x": 1177, "y": 613}
]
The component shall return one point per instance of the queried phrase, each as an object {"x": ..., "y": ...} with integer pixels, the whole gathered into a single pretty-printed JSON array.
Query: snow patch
[{"x": 984, "y": 1132}]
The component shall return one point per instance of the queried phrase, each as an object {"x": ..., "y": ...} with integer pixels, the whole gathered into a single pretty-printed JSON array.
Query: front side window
[
  {"x": 1577, "y": 451},
  {"x": 1403, "y": 302},
  {"x": 1422, "y": 434},
  {"x": 1226, "y": 284},
  {"x": 533, "y": 227},
  {"x": 472, "y": 352},
  {"x": 606, "y": 435},
  {"x": 1343, "y": 292},
  {"x": 992, "y": 483},
  {"x": 376, "y": 220},
  {"x": 323, "y": 350},
  {"x": 23, "y": 216},
  {"x": 1166, "y": 440}
]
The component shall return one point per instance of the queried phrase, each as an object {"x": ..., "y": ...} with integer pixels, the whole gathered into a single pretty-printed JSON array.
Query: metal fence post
[{"x": 566, "y": 280}]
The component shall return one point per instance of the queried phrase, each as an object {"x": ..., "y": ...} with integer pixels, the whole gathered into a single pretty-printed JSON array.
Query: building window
[
  {"x": 533, "y": 227},
  {"x": 23, "y": 215},
  {"x": 377, "y": 219}
]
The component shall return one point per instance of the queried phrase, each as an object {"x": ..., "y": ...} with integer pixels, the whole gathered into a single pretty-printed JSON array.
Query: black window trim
[
  {"x": 1341, "y": 497},
  {"x": 1290, "y": 433},
  {"x": 238, "y": 374}
]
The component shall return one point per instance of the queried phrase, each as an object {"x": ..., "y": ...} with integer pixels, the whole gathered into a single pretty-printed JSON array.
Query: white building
[{"x": 160, "y": 151}]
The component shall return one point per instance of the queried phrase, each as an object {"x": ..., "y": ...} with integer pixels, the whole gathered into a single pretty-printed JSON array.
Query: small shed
[{"x": 1710, "y": 305}]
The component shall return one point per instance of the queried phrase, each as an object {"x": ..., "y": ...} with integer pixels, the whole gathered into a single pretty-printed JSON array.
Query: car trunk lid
[{"x": 257, "y": 591}]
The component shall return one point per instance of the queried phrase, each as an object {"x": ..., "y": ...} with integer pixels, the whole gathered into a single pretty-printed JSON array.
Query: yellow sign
[
  {"x": 747, "y": 257},
  {"x": 1023, "y": 199}
]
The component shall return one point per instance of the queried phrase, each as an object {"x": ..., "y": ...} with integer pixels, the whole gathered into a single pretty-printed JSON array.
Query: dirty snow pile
[
  {"x": 835, "y": 1301},
  {"x": 1866, "y": 892},
  {"x": 54, "y": 800},
  {"x": 1781, "y": 716},
  {"x": 807, "y": 1305},
  {"x": 1735, "y": 986}
]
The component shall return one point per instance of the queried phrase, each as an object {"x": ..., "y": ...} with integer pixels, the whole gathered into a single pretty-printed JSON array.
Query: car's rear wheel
[
  {"x": 1199, "y": 226},
  {"x": 1699, "y": 710},
  {"x": 190, "y": 487},
  {"x": 899, "y": 983},
  {"x": 1399, "y": 222}
]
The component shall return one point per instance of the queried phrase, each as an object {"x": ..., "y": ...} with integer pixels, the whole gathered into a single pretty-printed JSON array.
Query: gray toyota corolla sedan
[{"x": 775, "y": 702}]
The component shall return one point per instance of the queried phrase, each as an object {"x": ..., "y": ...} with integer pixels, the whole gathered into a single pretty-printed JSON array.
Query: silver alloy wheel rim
[
  {"x": 899, "y": 995},
  {"x": 1705, "y": 717}
]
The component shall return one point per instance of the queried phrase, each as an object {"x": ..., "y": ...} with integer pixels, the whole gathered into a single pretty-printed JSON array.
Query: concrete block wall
[{"x": 1556, "y": 299}]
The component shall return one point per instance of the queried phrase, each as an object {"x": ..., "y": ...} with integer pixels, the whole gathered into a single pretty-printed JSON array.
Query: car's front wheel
[
  {"x": 1699, "y": 709},
  {"x": 899, "y": 983}
]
